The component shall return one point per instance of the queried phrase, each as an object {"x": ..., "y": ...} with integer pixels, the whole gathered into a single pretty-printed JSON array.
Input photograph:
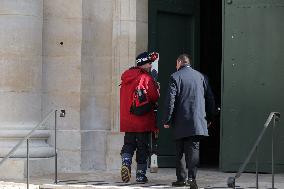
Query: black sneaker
[
  {"x": 192, "y": 184},
  {"x": 141, "y": 176},
  {"x": 125, "y": 173},
  {"x": 179, "y": 183},
  {"x": 142, "y": 179}
]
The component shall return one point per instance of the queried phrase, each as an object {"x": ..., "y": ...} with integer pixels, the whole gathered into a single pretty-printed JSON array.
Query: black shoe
[
  {"x": 142, "y": 179},
  {"x": 125, "y": 173},
  {"x": 179, "y": 183},
  {"x": 141, "y": 176},
  {"x": 192, "y": 184}
]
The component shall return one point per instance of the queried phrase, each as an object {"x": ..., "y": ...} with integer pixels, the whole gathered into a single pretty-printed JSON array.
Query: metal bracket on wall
[{"x": 62, "y": 113}]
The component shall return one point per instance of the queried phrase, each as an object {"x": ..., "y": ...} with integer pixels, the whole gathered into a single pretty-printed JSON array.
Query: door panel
[
  {"x": 173, "y": 27},
  {"x": 253, "y": 46}
]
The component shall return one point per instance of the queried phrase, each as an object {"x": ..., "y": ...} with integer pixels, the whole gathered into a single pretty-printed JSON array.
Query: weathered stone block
[
  {"x": 114, "y": 145},
  {"x": 16, "y": 168},
  {"x": 94, "y": 146}
]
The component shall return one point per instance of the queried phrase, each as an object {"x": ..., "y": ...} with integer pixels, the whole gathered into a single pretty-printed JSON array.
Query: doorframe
[{"x": 183, "y": 8}]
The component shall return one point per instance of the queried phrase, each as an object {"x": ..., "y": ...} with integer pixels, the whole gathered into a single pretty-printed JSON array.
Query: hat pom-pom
[{"x": 153, "y": 56}]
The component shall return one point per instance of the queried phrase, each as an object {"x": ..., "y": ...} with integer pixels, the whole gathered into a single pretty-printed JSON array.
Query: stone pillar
[
  {"x": 21, "y": 77},
  {"x": 96, "y": 82},
  {"x": 130, "y": 37},
  {"x": 62, "y": 39},
  {"x": 112, "y": 33}
]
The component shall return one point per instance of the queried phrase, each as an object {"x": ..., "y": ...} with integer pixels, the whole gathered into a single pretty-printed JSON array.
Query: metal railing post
[
  {"x": 55, "y": 147},
  {"x": 256, "y": 166},
  {"x": 28, "y": 166},
  {"x": 272, "y": 152}
]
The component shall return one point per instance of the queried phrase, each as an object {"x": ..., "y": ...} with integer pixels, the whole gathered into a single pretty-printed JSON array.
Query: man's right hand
[
  {"x": 156, "y": 134},
  {"x": 208, "y": 124},
  {"x": 166, "y": 126}
]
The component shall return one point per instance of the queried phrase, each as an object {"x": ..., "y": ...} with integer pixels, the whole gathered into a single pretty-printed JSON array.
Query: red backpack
[{"x": 140, "y": 103}]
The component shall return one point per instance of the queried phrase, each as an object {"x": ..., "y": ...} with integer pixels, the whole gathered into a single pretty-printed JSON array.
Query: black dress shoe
[
  {"x": 179, "y": 183},
  {"x": 192, "y": 184}
]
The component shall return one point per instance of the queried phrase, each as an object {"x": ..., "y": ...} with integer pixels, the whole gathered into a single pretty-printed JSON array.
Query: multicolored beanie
[{"x": 146, "y": 57}]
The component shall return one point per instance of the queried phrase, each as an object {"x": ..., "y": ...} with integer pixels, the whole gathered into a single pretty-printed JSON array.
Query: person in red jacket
[{"x": 137, "y": 127}]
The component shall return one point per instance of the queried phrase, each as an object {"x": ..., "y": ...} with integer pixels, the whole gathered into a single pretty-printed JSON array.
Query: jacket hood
[{"x": 129, "y": 75}]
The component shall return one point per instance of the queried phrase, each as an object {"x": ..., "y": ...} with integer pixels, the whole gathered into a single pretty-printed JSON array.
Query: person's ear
[{"x": 177, "y": 65}]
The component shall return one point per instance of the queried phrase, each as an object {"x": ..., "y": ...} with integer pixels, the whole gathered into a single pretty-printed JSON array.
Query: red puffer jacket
[{"x": 130, "y": 80}]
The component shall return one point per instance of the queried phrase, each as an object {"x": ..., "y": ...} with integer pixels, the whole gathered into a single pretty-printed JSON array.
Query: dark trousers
[
  {"x": 190, "y": 147},
  {"x": 139, "y": 142}
]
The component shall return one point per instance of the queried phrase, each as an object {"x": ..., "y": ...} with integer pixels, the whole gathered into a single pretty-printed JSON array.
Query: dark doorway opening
[
  {"x": 193, "y": 27},
  {"x": 210, "y": 64}
]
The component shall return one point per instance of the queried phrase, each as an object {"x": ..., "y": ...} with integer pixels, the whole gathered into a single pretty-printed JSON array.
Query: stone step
[
  {"x": 207, "y": 178},
  {"x": 14, "y": 185},
  {"x": 109, "y": 186}
]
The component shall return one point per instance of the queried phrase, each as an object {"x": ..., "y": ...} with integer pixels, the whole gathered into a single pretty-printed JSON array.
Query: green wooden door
[
  {"x": 253, "y": 67},
  {"x": 173, "y": 29}
]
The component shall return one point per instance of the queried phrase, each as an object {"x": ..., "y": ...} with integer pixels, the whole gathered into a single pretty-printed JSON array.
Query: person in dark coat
[
  {"x": 137, "y": 127},
  {"x": 189, "y": 110}
]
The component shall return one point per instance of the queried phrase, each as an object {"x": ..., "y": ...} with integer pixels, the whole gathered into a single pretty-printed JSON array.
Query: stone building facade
[{"x": 66, "y": 54}]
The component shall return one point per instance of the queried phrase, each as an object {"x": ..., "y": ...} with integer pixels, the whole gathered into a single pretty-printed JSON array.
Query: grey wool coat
[{"x": 189, "y": 103}]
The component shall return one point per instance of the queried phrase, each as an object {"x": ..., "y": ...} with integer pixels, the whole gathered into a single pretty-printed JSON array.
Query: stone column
[
  {"x": 62, "y": 39},
  {"x": 96, "y": 82},
  {"x": 21, "y": 77}
]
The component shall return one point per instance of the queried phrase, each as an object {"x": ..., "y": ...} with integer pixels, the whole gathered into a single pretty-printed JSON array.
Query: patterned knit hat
[{"x": 145, "y": 58}]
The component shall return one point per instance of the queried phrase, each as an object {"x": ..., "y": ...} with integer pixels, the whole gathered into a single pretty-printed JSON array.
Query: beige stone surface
[
  {"x": 94, "y": 146},
  {"x": 206, "y": 179},
  {"x": 115, "y": 142},
  {"x": 21, "y": 84},
  {"x": 96, "y": 82},
  {"x": 62, "y": 39},
  {"x": 16, "y": 168},
  {"x": 126, "y": 43},
  {"x": 70, "y": 54},
  {"x": 61, "y": 74},
  {"x": 21, "y": 61},
  {"x": 20, "y": 109},
  {"x": 69, "y": 161}
]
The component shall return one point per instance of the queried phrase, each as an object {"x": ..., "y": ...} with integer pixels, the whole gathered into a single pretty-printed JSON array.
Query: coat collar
[{"x": 184, "y": 66}]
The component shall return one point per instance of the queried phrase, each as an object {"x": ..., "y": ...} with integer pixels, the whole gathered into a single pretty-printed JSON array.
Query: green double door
[
  {"x": 173, "y": 30},
  {"x": 253, "y": 67},
  {"x": 252, "y": 70}
]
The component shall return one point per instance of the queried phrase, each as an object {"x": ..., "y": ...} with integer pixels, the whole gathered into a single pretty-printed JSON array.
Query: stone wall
[{"x": 70, "y": 54}]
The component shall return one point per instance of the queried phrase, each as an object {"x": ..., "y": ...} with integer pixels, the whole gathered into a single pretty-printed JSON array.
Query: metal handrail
[
  {"x": 27, "y": 138},
  {"x": 231, "y": 180}
]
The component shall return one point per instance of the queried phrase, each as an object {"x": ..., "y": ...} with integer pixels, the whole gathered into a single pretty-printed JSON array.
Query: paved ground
[{"x": 207, "y": 179}]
